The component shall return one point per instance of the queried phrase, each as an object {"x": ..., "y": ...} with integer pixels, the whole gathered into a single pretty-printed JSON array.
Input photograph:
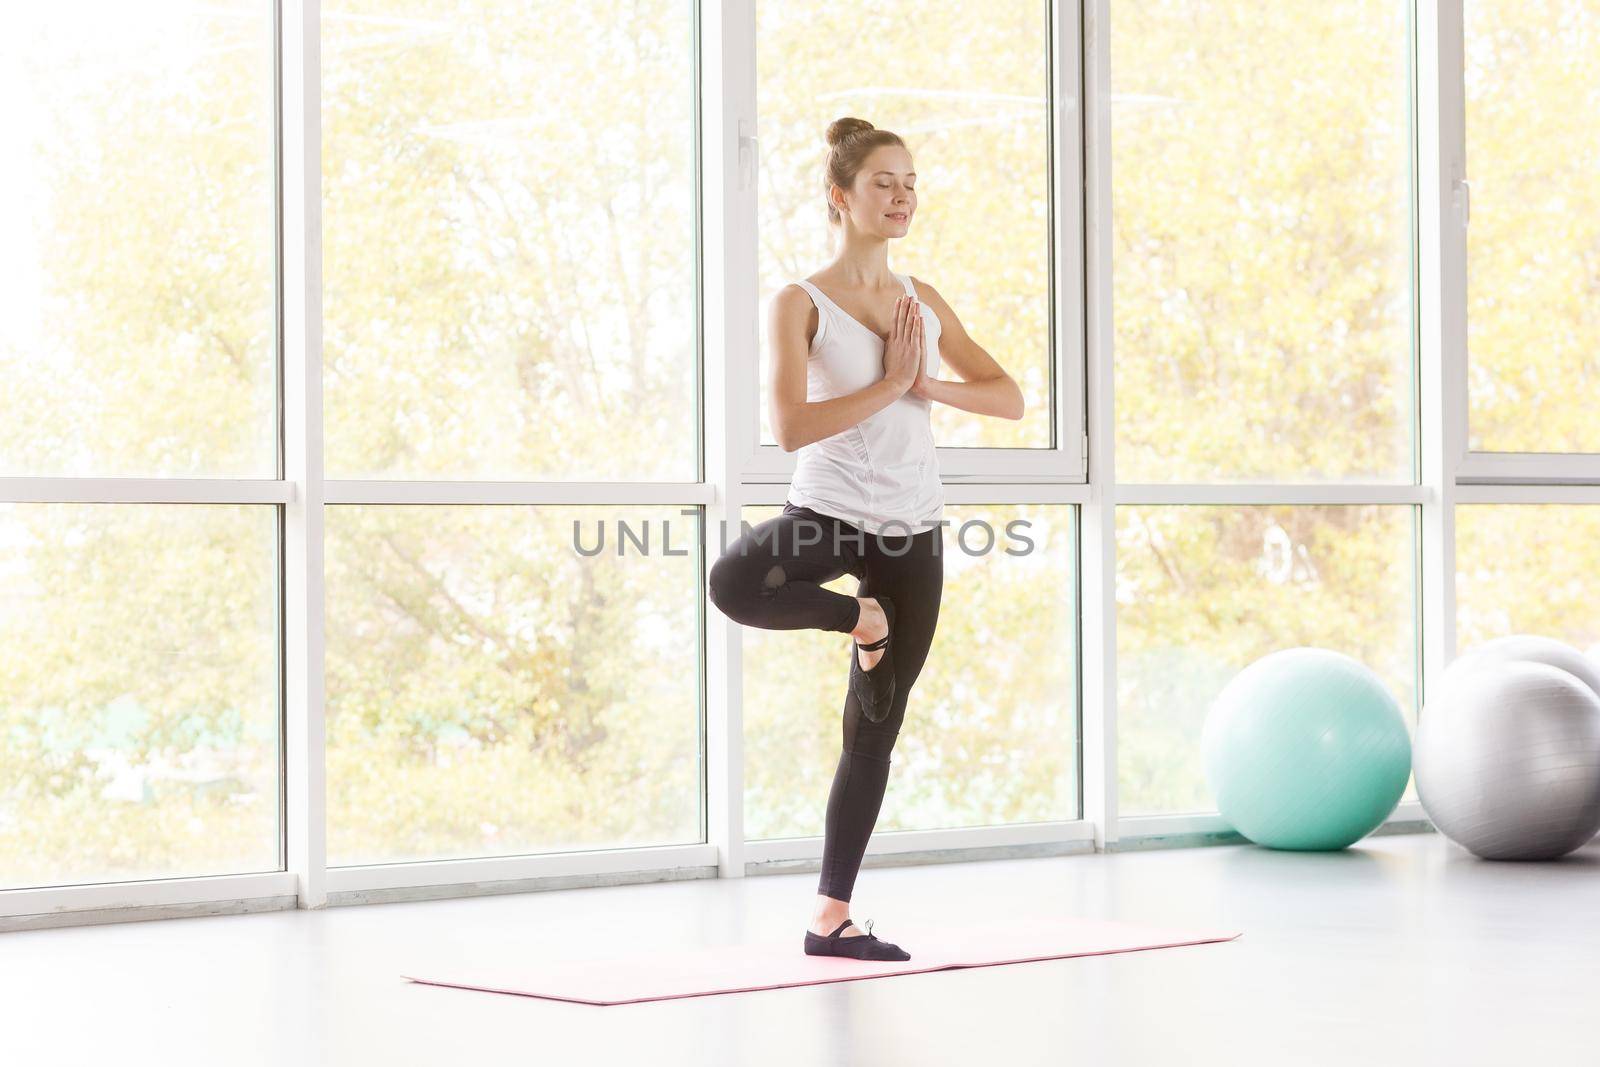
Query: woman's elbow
[{"x": 783, "y": 433}]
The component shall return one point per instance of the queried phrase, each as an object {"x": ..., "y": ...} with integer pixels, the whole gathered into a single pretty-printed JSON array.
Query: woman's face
[{"x": 884, "y": 197}]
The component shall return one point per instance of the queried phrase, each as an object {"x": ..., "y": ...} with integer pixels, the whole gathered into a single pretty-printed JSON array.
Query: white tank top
[{"x": 884, "y": 468}]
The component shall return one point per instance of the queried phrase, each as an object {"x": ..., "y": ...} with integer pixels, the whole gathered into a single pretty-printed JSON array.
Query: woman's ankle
[
  {"x": 828, "y": 909},
  {"x": 873, "y": 624}
]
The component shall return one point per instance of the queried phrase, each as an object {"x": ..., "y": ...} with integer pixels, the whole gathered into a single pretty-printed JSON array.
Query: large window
[
  {"x": 1533, "y": 248},
  {"x": 139, "y": 696},
  {"x": 138, "y": 692},
  {"x": 510, "y": 263},
  {"x": 499, "y": 678},
  {"x": 136, "y": 240},
  {"x": 509, "y": 258},
  {"x": 1261, "y": 242},
  {"x": 1262, "y": 281},
  {"x": 1202, "y": 592}
]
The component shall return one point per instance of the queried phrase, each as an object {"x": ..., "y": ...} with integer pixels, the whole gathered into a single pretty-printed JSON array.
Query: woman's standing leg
[{"x": 914, "y": 580}]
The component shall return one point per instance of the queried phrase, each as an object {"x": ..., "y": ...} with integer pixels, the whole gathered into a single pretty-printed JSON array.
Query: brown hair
[{"x": 850, "y": 141}]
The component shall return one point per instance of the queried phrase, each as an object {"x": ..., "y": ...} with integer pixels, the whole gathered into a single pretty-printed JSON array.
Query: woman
[{"x": 852, "y": 386}]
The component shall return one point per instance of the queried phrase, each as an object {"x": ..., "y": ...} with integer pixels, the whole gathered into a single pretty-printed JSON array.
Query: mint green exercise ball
[{"x": 1306, "y": 749}]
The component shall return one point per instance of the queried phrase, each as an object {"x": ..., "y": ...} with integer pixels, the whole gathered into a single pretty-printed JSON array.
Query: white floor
[{"x": 1403, "y": 949}]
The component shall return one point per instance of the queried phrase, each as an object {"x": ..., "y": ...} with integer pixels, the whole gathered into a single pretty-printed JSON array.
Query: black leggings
[{"x": 771, "y": 577}]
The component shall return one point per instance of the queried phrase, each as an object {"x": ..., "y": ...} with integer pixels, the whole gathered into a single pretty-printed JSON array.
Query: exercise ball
[
  {"x": 1524, "y": 647},
  {"x": 1306, "y": 749},
  {"x": 1508, "y": 761}
]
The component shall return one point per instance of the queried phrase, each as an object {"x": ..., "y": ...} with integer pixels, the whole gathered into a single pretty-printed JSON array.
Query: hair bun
[{"x": 839, "y": 129}]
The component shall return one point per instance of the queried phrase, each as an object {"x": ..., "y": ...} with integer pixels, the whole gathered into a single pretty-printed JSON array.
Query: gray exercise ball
[
  {"x": 1507, "y": 761},
  {"x": 1525, "y": 647}
]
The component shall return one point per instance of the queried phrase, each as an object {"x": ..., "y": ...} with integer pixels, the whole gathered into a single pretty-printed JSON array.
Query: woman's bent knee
[{"x": 731, "y": 585}]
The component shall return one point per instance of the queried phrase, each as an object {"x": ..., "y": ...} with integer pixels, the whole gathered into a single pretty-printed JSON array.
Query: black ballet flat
[
  {"x": 874, "y": 688},
  {"x": 869, "y": 947}
]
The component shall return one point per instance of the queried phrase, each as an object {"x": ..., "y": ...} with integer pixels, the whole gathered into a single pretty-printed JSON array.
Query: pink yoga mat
[{"x": 777, "y": 964}]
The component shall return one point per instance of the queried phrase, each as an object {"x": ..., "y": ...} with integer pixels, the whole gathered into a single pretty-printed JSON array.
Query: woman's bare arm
[
  {"x": 797, "y": 422},
  {"x": 985, "y": 388}
]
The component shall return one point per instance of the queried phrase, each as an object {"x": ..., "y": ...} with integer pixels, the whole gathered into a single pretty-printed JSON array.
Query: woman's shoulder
[
  {"x": 793, "y": 303},
  {"x": 793, "y": 295},
  {"x": 925, "y": 291}
]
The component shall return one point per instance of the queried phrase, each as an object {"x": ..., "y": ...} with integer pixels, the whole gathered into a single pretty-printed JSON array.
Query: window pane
[
  {"x": 136, "y": 240},
  {"x": 506, "y": 680},
  {"x": 991, "y": 728},
  {"x": 1204, "y": 591},
  {"x": 509, "y": 217},
  {"x": 138, "y": 692},
  {"x": 1528, "y": 569},
  {"x": 1533, "y": 248},
  {"x": 1261, "y": 242},
  {"x": 966, "y": 90}
]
